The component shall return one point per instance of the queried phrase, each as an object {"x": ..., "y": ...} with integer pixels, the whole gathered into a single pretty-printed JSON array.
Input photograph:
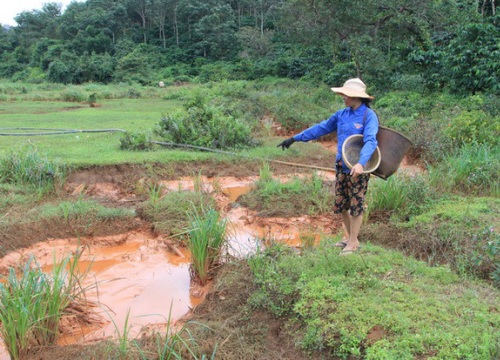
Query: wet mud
[{"x": 138, "y": 280}]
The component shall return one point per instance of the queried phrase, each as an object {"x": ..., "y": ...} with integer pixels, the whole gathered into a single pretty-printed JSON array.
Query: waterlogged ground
[{"x": 140, "y": 280}]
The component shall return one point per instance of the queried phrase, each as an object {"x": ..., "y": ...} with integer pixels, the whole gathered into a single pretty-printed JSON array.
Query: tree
[
  {"x": 473, "y": 59},
  {"x": 217, "y": 34}
]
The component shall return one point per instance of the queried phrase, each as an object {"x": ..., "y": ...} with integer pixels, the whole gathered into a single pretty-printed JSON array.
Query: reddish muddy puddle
[
  {"x": 137, "y": 281},
  {"x": 246, "y": 231},
  {"x": 132, "y": 278}
]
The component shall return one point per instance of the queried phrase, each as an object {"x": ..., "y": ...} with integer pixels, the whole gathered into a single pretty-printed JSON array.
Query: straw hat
[{"x": 353, "y": 88}]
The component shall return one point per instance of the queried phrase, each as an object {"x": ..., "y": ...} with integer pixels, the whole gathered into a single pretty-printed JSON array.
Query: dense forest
[{"x": 420, "y": 45}]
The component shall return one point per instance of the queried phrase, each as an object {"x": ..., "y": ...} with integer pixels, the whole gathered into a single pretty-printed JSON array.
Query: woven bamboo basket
[{"x": 393, "y": 148}]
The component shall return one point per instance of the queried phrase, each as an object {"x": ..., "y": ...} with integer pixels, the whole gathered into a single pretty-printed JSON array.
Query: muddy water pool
[{"x": 136, "y": 280}]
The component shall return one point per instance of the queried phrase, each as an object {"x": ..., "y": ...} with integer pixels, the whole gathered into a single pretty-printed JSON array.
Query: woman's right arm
[{"x": 316, "y": 131}]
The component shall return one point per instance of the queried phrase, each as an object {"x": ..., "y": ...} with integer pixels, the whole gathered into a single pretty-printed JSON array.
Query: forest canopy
[{"x": 420, "y": 45}]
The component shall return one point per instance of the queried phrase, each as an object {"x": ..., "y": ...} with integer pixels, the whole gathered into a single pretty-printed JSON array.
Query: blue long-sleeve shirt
[{"x": 347, "y": 122}]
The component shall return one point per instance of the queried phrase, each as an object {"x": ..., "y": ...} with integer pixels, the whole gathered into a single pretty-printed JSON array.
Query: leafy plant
[
  {"x": 138, "y": 141},
  {"x": 205, "y": 125}
]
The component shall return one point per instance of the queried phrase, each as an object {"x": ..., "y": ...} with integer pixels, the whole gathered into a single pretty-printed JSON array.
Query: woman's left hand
[{"x": 356, "y": 170}]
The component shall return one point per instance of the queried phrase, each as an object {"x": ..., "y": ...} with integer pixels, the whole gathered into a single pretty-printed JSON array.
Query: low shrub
[
  {"x": 138, "y": 141},
  {"x": 474, "y": 127},
  {"x": 206, "y": 126}
]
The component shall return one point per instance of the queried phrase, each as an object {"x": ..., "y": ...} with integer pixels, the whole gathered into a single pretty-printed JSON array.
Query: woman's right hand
[{"x": 286, "y": 144}]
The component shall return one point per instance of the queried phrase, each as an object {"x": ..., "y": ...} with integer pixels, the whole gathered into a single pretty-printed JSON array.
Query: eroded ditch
[{"x": 140, "y": 278}]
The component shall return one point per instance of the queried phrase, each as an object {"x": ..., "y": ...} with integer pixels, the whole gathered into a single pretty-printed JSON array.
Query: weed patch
[
  {"x": 169, "y": 212},
  {"x": 402, "y": 195},
  {"x": 32, "y": 304},
  {"x": 474, "y": 169},
  {"x": 272, "y": 197},
  {"x": 457, "y": 232},
  {"x": 26, "y": 166},
  {"x": 334, "y": 304}
]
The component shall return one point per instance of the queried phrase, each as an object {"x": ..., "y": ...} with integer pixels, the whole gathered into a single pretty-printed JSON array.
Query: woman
[{"x": 351, "y": 184}]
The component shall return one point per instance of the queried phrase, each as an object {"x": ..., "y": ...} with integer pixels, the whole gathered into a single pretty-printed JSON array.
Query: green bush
[
  {"x": 474, "y": 127},
  {"x": 139, "y": 141},
  {"x": 73, "y": 95},
  {"x": 206, "y": 126}
]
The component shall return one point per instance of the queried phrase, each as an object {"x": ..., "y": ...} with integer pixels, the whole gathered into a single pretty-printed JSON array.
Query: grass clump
[
  {"x": 207, "y": 237},
  {"x": 402, "y": 196},
  {"x": 80, "y": 210},
  {"x": 473, "y": 169},
  {"x": 376, "y": 305},
  {"x": 461, "y": 232},
  {"x": 26, "y": 166},
  {"x": 32, "y": 303},
  {"x": 272, "y": 197},
  {"x": 168, "y": 213}
]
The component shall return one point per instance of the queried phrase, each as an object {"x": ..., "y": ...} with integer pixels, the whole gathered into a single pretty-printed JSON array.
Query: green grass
[
  {"x": 87, "y": 148},
  {"x": 273, "y": 197},
  {"x": 32, "y": 303},
  {"x": 27, "y": 166},
  {"x": 333, "y": 303},
  {"x": 168, "y": 213},
  {"x": 402, "y": 195},
  {"x": 474, "y": 169},
  {"x": 207, "y": 237}
]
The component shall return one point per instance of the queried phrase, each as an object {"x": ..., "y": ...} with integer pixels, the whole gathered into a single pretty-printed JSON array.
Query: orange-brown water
[
  {"x": 136, "y": 282},
  {"x": 132, "y": 279}
]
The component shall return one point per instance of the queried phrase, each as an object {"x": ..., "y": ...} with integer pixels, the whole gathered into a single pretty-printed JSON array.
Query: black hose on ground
[{"x": 47, "y": 131}]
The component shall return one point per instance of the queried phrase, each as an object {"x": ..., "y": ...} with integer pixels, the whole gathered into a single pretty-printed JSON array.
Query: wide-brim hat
[{"x": 353, "y": 88}]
